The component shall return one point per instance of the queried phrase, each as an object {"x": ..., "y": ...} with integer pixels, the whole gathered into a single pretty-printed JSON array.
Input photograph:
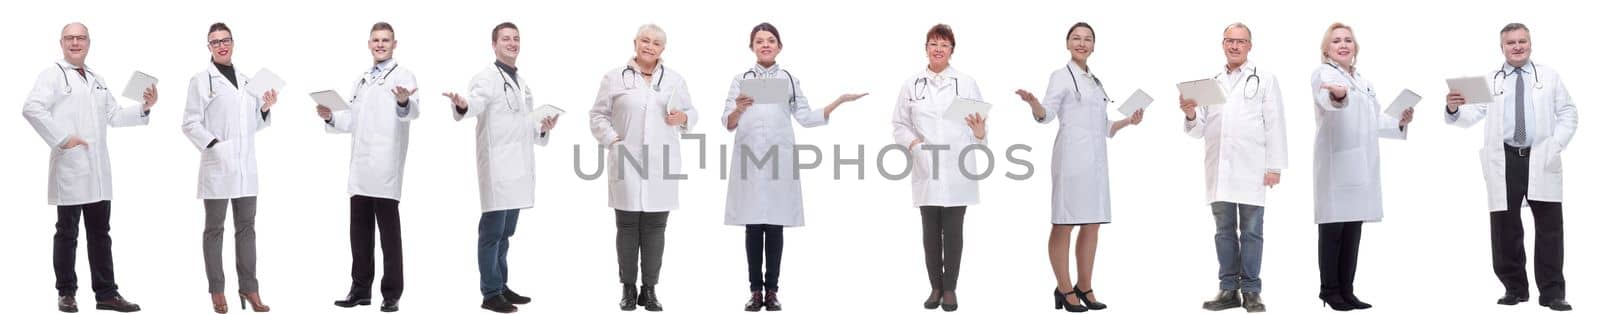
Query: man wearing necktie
[{"x": 1528, "y": 125}]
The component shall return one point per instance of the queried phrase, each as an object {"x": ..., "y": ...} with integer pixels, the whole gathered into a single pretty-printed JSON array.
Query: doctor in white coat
[
  {"x": 761, "y": 202},
  {"x": 1347, "y": 188},
  {"x": 507, "y": 136},
  {"x": 70, "y": 107},
  {"x": 1246, "y": 152},
  {"x": 938, "y": 188},
  {"x": 1526, "y": 127},
  {"x": 1080, "y": 175},
  {"x": 640, "y": 113},
  {"x": 221, "y": 119},
  {"x": 379, "y": 124}
]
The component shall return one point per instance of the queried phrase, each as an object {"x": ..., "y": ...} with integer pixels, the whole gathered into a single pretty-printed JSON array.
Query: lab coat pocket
[
  {"x": 1350, "y": 168},
  {"x": 214, "y": 164},
  {"x": 72, "y": 164},
  {"x": 507, "y": 163},
  {"x": 1552, "y": 159}
]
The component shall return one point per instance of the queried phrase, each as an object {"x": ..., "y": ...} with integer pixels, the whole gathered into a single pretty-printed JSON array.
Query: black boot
[
  {"x": 1351, "y": 297},
  {"x": 647, "y": 298},
  {"x": 1252, "y": 303},
  {"x": 630, "y": 298},
  {"x": 1226, "y": 299},
  {"x": 1336, "y": 301},
  {"x": 754, "y": 305}
]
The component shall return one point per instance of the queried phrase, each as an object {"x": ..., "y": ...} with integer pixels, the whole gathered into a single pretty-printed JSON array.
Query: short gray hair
[
  {"x": 651, "y": 29},
  {"x": 1239, "y": 25}
]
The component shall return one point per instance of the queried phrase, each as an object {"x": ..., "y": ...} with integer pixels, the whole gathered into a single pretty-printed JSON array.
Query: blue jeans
[
  {"x": 1239, "y": 242},
  {"x": 494, "y": 238}
]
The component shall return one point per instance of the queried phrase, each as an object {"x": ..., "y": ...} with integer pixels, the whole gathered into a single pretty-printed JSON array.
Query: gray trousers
[
  {"x": 640, "y": 232},
  {"x": 941, "y": 244},
  {"x": 244, "y": 241}
]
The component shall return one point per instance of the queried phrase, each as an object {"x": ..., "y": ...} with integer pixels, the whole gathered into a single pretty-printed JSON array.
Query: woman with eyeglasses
[
  {"x": 221, "y": 119},
  {"x": 639, "y": 113},
  {"x": 1080, "y": 179},
  {"x": 764, "y": 203},
  {"x": 938, "y": 188},
  {"x": 1345, "y": 174}
]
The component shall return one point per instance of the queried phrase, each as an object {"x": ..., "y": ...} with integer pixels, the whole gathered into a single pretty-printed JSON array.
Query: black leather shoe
[
  {"x": 1061, "y": 302},
  {"x": 1557, "y": 304},
  {"x": 1083, "y": 297},
  {"x": 390, "y": 305},
  {"x": 1225, "y": 299},
  {"x": 352, "y": 300},
  {"x": 1510, "y": 299},
  {"x": 755, "y": 303},
  {"x": 1252, "y": 303},
  {"x": 647, "y": 298},
  {"x": 630, "y": 298},
  {"x": 116, "y": 303},
  {"x": 67, "y": 304},
  {"x": 948, "y": 307},
  {"x": 772, "y": 301},
  {"x": 514, "y": 298},
  {"x": 933, "y": 300},
  {"x": 498, "y": 304}
]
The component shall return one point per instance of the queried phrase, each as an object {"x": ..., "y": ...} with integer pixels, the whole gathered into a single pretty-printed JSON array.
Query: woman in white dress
[
  {"x": 1080, "y": 181},
  {"x": 1347, "y": 189},
  {"x": 760, "y": 201}
]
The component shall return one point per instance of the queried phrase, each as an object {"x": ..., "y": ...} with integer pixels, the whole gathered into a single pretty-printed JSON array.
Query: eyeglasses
[
  {"x": 220, "y": 42},
  {"x": 75, "y": 38},
  {"x": 1235, "y": 41}
]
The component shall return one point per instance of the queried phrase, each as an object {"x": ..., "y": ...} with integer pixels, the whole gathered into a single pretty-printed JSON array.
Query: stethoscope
[
  {"x": 379, "y": 82},
  {"x": 922, "y": 87},
  {"x": 506, "y": 89},
  {"x": 1249, "y": 92},
  {"x": 1097, "y": 84},
  {"x": 1501, "y": 76},
  {"x": 1351, "y": 83},
  {"x": 211, "y": 85},
  {"x": 67, "y": 81},
  {"x": 793, "y": 91},
  {"x": 639, "y": 77}
]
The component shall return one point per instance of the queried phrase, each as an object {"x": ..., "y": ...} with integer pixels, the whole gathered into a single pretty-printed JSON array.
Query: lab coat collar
[
  {"x": 73, "y": 68},
  {"x": 216, "y": 74},
  {"x": 1248, "y": 66},
  {"x": 766, "y": 71},
  {"x": 1075, "y": 68},
  {"x": 1353, "y": 73},
  {"x": 1510, "y": 70},
  {"x": 660, "y": 65},
  {"x": 386, "y": 65},
  {"x": 940, "y": 77}
]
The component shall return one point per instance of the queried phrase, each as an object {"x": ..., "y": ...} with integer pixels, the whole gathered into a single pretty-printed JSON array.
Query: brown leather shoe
[
  {"x": 116, "y": 303},
  {"x": 67, "y": 304}
]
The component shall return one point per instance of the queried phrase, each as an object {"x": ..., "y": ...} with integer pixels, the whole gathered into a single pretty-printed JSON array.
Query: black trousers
[
  {"x": 1338, "y": 244},
  {"x": 1505, "y": 231},
  {"x": 384, "y": 214},
  {"x": 759, "y": 239},
  {"x": 941, "y": 244},
  {"x": 64, "y": 254}
]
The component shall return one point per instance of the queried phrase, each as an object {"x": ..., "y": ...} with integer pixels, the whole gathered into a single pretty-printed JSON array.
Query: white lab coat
[
  {"x": 1552, "y": 115},
  {"x": 82, "y": 174},
  {"x": 1244, "y": 137},
  {"x": 631, "y": 109},
  {"x": 1080, "y": 175},
  {"x": 380, "y": 131},
  {"x": 766, "y": 193},
  {"x": 919, "y": 114},
  {"x": 1345, "y": 173},
  {"x": 216, "y": 110},
  {"x": 507, "y": 136}
]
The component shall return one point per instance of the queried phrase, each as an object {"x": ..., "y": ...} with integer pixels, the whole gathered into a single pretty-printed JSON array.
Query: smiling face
[
  {"x": 1236, "y": 45},
  {"x": 75, "y": 43},
  {"x": 1081, "y": 43},
  {"x": 221, "y": 43},
  {"x": 766, "y": 47},
  {"x": 1517, "y": 46},
  {"x": 382, "y": 44},
  {"x": 507, "y": 45},
  {"x": 647, "y": 48},
  {"x": 1341, "y": 47},
  {"x": 939, "y": 51}
]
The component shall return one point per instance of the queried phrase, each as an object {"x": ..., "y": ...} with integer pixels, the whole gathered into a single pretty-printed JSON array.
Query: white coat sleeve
[
  {"x": 410, "y": 111},
  {"x": 1322, "y": 96},
  {"x": 1276, "y": 135},
  {"x": 194, "y": 113},
  {"x": 732, "y": 103},
  {"x": 600, "y": 115},
  {"x": 905, "y": 129},
  {"x": 1197, "y": 128},
  {"x": 120, "y": 116},
  {"x": 686, "y": 105},
  {"x": 1566, "y": 115},
  {"x": 803, "y": 113},
  {"x": 341, "y": 123},
  {"x": 1059, "y": 90},
  {"x": 1389, "y": 127},
  {"x": 480, "y": 95},
  {"x": 39, "y": 107}
]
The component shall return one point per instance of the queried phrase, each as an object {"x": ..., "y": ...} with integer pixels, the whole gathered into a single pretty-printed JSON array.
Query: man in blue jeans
[
  {"x": 507, "y": 136},
  {"x": 1245, "y": 154}
]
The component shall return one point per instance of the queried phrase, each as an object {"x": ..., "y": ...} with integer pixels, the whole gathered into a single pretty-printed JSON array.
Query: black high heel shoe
[
  {"x": 1336, "y": 302},
  {"x": 1351, "y": 297},
  {"x": 1083, "y": 297},
  {"x": 1061, "y": 302},
  {"x": 933, "y": 300}
]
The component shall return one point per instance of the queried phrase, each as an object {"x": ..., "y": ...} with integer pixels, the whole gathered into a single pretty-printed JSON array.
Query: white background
[{"x": 861, "y": 249}]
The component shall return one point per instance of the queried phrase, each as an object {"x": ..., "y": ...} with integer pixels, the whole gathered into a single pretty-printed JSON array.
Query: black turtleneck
[
  {"x": 227, "y": 71},
  {"x": 510, "y": 70}
]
